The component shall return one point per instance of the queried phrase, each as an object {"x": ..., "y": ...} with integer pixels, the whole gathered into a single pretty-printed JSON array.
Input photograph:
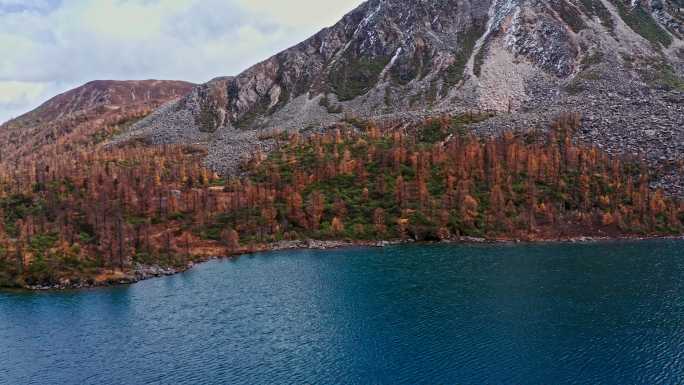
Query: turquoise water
[{"x": 608, "y": 313}]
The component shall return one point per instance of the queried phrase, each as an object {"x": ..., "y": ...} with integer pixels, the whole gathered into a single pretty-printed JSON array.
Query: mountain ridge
[
  {"x": 396, "y": 59},
  {"x": 84, "y": 116},
  {"x": 98, "y": 93}
]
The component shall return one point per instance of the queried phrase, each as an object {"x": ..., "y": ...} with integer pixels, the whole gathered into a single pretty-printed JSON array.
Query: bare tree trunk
[
  {"x": 120, "y": 236},
  {"x": 20, "y": 258}
]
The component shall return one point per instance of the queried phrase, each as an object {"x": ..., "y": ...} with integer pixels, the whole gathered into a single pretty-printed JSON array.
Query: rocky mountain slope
[
  {"x": 618, "y": 62},
  {"x": 85, "y": 115},
  {"x": 109, "y": 94}
]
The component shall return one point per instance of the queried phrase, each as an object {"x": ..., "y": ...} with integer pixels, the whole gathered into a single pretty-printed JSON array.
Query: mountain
[
  {"x": 85, "y": 115},
  {"x": 107, "y": 94},
  {"x": 407, "y": 120},
  {"x": 618, "y": 62}
]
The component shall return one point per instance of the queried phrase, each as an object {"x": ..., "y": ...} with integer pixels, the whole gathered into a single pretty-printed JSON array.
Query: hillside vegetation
[{"x": 93, "y": 216}]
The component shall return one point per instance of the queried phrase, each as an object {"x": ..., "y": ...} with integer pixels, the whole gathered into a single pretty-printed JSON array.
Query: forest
[{"x": 92, "y": 214}]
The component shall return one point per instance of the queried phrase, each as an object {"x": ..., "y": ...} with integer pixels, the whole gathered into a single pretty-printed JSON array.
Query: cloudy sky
[{"x": 50, "y": 46}]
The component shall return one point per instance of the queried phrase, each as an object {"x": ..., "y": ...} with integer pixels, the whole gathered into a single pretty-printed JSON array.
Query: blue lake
[{"x": 604, "y": 313}]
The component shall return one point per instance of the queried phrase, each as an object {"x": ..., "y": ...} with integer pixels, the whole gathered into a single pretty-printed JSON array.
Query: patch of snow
[
  {"x": 395, "y": 57},
  {"x": 358, "y": 29},
  {"x": 391, "y": 63},
  {"x": 368, "y": 19}
]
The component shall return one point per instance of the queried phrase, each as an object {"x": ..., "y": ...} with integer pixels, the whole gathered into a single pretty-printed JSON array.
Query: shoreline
[{"x": 144, "y": 272}]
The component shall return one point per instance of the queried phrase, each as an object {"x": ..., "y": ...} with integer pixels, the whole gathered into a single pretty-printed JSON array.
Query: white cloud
[
  {"x": 11, "y": 92},
  {"x": 15, "y": 96},
  {"x": 301, "y": 12},
  {"x": 49, "y": 46}
]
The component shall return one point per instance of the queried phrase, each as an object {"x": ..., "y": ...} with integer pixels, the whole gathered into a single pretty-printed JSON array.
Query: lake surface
[{"x": 606, "y": 313}]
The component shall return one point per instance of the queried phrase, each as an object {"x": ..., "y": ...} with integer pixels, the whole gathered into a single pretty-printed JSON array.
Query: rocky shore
[
  {"x": 144, "y": 272},
  {"x": 139, "y": 273}
]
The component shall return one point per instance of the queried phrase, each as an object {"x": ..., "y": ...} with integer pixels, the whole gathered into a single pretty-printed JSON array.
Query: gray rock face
[
  {"x": 544, "y": 41},
  {"x": 399, "y": 58}
]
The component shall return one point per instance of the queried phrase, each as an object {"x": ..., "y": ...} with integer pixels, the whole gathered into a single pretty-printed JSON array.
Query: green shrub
[
  {"x": 596, "y": 8},
  {"x": 354, "y": 77},
  {"x": 456, "y": 71},
  {"x": 643, "y": 23},
  {"x": 42, "y": 242}
]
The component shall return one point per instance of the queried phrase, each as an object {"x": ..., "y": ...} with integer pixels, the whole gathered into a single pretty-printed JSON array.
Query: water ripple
[{"x": 608, "y": 313}]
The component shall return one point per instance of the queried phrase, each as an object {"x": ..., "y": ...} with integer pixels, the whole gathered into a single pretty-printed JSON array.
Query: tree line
[{"x": 82, "y": 213}]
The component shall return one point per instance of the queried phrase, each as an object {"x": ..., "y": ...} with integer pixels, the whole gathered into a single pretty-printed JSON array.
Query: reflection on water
[{"x": 610, "y": 313}]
